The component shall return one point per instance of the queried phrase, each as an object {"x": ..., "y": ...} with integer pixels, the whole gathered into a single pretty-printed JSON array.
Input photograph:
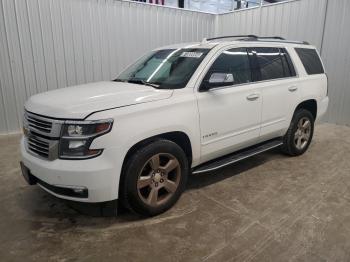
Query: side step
[{"x": 237, "y": 156}]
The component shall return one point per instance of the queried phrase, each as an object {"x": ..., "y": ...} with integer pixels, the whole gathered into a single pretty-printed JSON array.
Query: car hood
[{"x": 77, "y": 102}]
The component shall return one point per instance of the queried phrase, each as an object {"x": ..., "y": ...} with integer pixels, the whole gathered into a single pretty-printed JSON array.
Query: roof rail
[
  {"x": 231, "y": 36},
  {"x": 279, "y": 40},
  {"x": 271, "y": 37},
  {"x": 258, "y": 38}
]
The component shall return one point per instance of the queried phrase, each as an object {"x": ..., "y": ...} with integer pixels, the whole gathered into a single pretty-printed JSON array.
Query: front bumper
[{"x": 99, "y": 176}]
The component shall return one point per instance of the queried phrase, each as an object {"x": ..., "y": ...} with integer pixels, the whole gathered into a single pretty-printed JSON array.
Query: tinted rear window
[{"x": 310, "y": 60}]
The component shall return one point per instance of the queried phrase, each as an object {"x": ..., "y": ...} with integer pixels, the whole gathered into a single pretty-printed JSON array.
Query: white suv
[{"x": 181, "y": 109}]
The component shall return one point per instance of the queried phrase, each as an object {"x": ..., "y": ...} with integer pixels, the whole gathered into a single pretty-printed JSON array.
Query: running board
[{"x": 237, "y": 156}]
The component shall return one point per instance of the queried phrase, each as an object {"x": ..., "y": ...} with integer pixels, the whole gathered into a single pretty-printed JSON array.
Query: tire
[
  {"x": 154, "y": 178},
  {"x": 296, "y": 141}
]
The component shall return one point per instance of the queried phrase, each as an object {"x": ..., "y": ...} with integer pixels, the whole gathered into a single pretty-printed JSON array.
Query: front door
[{"x": 229, "y": 113}]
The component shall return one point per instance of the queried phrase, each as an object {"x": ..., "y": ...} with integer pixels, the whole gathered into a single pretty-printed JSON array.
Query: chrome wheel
[
  {"x": 303, "y": 133},
  {"x": 159, "y": 179}
]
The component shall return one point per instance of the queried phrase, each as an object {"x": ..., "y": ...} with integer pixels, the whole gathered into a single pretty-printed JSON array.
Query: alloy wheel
[
  {"x": 302, "y": 134},
  {"x": 159, "y": 179}
]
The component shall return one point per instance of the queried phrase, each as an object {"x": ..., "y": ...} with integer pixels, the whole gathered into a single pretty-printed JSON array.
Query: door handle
[
  {"x": 292, "y": 88},
  {"x": 253, "y": 97}
]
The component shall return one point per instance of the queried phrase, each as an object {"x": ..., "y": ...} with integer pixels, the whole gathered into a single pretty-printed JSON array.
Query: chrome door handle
[
  {"x": 253, "y": 97},
  {"x": 292, "y": 88}
]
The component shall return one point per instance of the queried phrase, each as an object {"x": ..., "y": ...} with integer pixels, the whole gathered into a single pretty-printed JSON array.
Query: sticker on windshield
[{"x": 191, "y": 54}]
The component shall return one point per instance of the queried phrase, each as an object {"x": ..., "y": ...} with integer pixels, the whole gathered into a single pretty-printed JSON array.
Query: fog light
[{"x": 78, "y": 190}]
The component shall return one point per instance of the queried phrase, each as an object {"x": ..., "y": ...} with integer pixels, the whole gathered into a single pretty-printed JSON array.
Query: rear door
[{"x": 280, "y": 89}]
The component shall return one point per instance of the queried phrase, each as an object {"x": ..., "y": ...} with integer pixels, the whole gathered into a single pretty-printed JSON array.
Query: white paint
[{"x": 79, "y": 101}]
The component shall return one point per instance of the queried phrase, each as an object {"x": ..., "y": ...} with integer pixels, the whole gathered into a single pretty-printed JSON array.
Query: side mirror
[
  {"x": 218, "y": 79},
  {"x": 221, "y": 78}
]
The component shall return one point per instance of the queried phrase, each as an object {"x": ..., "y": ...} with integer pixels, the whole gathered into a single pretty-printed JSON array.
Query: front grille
[
  {"x": 42, "y": 135},
  {"x": 38, "y": 146},
  {"x": 39, "y": 124}
]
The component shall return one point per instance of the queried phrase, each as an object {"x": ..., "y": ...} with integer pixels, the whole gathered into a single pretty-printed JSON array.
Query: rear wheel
[
  {"x": 155, "y": 176},
  {"x": 300, "y": 133}
]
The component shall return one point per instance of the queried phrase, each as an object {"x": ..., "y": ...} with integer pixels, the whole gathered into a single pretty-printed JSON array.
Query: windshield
[{"x": 167, "y": 68}]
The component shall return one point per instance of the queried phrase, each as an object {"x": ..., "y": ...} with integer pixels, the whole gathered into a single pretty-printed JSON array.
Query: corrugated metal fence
[
  {"x": 297, "y": 20},
  {"x": 48, "y": 44},
  {"x": 336, "y": 55}
]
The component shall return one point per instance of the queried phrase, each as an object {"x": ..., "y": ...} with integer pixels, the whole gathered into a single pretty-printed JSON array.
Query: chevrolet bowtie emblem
[{"x": 26, "y": 131}]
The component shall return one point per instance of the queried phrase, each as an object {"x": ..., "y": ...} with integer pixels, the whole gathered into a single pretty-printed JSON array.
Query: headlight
[{"x": 77, "y": 136}]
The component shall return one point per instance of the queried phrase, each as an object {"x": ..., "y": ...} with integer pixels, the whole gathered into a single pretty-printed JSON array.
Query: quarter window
[
  {"x": 234, "y": 61},
  {"x": 287, "y": 63},
  {"x": 310, "y": 60}
]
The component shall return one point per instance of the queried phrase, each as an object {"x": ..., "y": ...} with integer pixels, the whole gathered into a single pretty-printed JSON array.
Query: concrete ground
[{"x": 267, "y": 208}]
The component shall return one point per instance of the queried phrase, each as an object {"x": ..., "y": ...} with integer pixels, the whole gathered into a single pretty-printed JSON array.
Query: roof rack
[
  {"x": 279, "y": 39},
  {"x": 271, "y": 37},
  {"x": 257, "y": 38},
  {"x": 231, "y": 36}
]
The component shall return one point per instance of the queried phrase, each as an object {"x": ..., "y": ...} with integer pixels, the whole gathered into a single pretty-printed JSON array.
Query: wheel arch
[
  {"x": 178, "y": 137},
  {"x": 310, "y": 105}
]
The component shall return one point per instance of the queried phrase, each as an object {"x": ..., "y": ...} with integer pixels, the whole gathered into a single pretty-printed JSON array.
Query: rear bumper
[
  {"x": 98, "y": 177},
  {"x": 322, "y": 107}
]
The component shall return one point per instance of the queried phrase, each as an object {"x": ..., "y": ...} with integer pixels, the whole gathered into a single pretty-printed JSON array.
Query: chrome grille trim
[
  {"x": 42, "y": 135},
  {"x": 42, "y": 125},
  {"x": 39, "y": 146},
  {"x": 40, "y": 152},
  {"x": 39, "y": 122},
  {"x": 38, "y": 125}
]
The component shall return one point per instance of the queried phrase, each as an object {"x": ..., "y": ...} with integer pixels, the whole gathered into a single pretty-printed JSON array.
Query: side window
[
  {"x": 287, "y": 63},
  {"x": 310, "y": 60},
  {"x": 270, "y": 63},
  {"x": 234, "y": 61}
]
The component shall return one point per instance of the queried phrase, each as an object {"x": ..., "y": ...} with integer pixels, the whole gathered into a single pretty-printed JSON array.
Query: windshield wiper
[
  {"x": 119, "y": 80},
  {"x": 142, "y": 82}
]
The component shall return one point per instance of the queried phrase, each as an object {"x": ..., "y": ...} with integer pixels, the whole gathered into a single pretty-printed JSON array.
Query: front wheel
[
  {"x": 300, "y": 133},
  {"x": 154, "y": 178}
]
